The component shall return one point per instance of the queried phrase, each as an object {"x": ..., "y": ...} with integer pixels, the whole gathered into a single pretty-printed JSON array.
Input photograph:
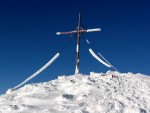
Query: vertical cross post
[
  {"x": 78, "y": 31},
  {"x": 77, "y": 70}
]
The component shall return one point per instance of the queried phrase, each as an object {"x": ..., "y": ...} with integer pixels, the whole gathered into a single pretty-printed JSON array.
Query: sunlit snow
[{"x": 94, "y": 93}]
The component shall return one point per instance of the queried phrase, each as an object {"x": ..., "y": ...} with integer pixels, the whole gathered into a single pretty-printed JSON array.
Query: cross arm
[{"x": 76, "y": 31}]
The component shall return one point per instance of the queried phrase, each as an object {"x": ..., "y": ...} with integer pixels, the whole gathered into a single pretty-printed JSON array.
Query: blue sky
[{"x": 28, "y": 37}]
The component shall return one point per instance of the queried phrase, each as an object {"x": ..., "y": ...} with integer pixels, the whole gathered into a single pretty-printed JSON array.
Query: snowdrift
[{"x": 94, "y": 93}]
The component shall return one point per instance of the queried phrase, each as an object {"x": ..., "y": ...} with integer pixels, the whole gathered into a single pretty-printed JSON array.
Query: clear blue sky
[{"x": 28, "y": 39}]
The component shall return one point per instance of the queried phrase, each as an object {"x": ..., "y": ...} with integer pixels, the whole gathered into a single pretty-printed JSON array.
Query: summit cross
[{"x": 78, "y": 31}]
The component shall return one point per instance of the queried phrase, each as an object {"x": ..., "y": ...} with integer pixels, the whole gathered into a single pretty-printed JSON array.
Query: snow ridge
[{"x": 94, "y": 93}]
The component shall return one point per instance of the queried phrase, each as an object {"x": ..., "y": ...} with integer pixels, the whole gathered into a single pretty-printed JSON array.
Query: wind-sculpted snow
[{"x": 95, "y": 93}]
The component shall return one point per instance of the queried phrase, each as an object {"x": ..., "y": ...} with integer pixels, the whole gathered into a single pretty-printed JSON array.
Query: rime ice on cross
[{"x": 78, "y": 31}]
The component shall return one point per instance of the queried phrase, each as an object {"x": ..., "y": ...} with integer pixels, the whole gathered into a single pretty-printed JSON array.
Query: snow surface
[{"x": 94, "y": 93}]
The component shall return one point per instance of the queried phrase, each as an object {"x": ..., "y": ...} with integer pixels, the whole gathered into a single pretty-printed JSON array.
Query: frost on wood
[{"x": 93, "y": 30}]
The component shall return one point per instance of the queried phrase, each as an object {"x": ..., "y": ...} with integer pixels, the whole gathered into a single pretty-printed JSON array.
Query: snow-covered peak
[{"x": 109, "y": 92}]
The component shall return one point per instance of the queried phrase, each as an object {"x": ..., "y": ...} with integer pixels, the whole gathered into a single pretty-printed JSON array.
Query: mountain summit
[{"x": 109, "y": 92}]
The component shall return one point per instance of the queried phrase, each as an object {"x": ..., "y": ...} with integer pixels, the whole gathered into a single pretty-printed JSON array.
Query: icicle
[
  {"x": 96, "y": 57},
  {"x": 108, "y": 62},
  {"x": 104, "y": 58},
  {"x": 87, "y": 41},
  {"x": 39, "y": 71}
]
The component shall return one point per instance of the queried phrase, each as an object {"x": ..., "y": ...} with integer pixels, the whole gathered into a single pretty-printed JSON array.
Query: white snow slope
[{"x": 94, "y": 93}]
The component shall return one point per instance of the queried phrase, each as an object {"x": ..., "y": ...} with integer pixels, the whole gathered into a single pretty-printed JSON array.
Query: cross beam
[
  {"x": 81, "y": 31},
  {"x": 78, "y": 31}
]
